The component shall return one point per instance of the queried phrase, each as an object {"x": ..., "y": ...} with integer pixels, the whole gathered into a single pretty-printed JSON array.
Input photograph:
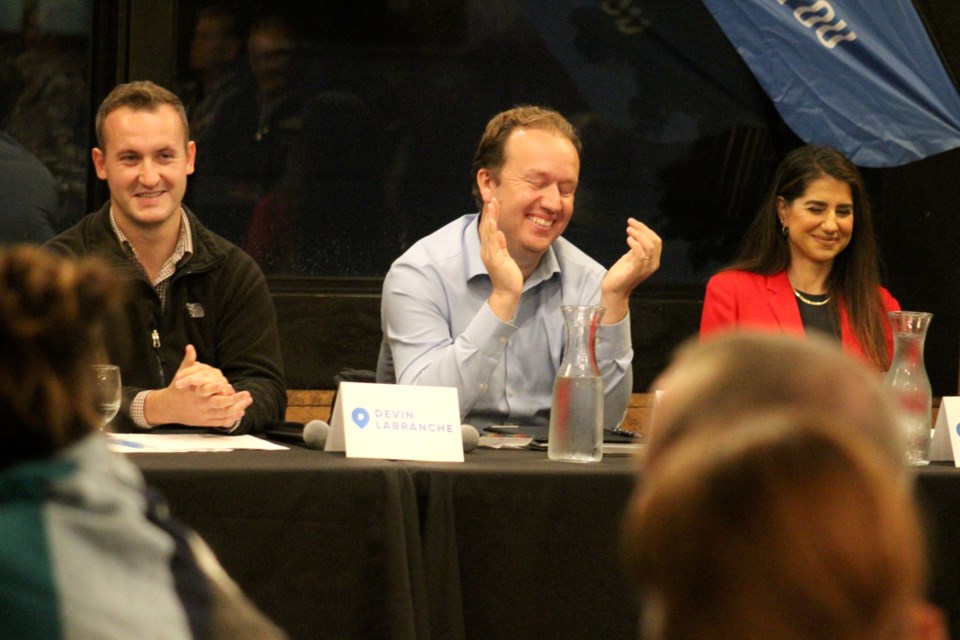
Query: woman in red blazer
[{"x": 805, "y": 265}]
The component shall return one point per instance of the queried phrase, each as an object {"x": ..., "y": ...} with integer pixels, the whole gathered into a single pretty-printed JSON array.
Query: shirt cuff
[
  {"x": 136, "y": 410},
  {"x": 614, "y": 340}
]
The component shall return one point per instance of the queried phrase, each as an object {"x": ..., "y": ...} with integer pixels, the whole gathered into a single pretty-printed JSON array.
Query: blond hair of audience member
[
  {"x": 717, "y": 382},
  {"x": 785, "y": 527}
]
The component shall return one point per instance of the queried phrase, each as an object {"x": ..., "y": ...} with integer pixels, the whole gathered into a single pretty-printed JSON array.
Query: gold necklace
[{"x": 812, "y": 303}]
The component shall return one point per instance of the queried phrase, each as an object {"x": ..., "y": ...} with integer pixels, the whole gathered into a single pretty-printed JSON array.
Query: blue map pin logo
[
  {"x": 958, "y": 428},
  {"x": 360, "y": 417}
]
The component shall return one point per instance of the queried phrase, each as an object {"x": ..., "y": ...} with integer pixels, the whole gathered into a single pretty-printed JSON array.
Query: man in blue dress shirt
[{"x": 476, "y": 304}]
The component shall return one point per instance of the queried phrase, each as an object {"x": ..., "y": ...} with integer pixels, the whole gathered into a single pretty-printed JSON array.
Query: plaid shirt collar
[{"x": 184, "y": 246}]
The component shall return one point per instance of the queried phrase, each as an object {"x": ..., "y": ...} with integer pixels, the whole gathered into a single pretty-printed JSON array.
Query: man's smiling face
[
  {"x": 535, "y": 188},
  {"x": 145, "y": 160}
]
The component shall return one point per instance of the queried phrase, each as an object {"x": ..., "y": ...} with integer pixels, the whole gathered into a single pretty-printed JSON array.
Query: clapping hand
[
  {"x": 504, "y": 272},
  {"x": 636, "y": 265}
]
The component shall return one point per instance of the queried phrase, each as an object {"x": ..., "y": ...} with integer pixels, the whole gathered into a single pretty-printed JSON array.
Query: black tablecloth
[
  {"x": 938, "y": 492},
  {"x": 505, "y": 545}
]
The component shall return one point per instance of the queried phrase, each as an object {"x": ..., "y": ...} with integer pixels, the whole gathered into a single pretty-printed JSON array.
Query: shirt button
[
  {"x": 483, "y": 387},
  {"x": 510, "y": 392},
  {"x": 503, "y": 340}
]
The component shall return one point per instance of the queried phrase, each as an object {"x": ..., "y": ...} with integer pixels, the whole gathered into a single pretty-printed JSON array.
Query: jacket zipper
[{"x": 155, "y": 338}]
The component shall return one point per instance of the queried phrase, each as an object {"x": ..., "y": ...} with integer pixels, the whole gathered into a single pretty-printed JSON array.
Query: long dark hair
[{"x": 855, "y": 277}]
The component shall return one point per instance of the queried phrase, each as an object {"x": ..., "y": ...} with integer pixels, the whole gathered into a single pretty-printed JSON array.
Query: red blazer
[{"x": 750, "y": 300}]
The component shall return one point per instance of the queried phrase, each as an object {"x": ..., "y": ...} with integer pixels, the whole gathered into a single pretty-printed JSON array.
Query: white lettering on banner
[{"x": 809, "y": 16}]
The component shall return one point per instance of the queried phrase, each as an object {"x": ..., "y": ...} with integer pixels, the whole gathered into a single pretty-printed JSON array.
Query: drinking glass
[{"x": 106, "y": 392}]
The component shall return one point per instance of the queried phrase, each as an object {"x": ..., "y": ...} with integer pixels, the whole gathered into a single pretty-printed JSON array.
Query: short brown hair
[
  {"x": 490, "y": 154},
  {"x": 141, "y": 95}
]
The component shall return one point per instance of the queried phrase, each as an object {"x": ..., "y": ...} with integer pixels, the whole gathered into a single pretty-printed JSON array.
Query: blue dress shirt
[{"x": 439, "y": 330}]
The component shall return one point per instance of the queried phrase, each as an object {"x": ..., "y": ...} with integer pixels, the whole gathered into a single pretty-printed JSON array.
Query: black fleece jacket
[{"x": 219, "y": 302}]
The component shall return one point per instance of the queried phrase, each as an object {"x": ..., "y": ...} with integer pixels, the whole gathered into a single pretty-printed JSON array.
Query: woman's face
[{"x": 819, "y": 222}]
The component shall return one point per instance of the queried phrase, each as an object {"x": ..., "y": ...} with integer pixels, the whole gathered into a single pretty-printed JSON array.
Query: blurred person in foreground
[
  {"x": 809, "y": 261},
  {"x": 86, "y": 551},
  {"x": 476, "y": 304},
  {"x": 715, "y": 384},
  {"x": 785, "y": 526},
  {"x": 203, "y": 346}
]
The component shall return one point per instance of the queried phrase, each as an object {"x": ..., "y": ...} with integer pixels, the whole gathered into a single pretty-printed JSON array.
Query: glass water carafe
[
  {"x": 908, "y": 382},
  {"x": 576, "y": 414}
]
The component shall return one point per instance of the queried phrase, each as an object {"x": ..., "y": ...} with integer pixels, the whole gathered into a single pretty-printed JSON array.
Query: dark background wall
[
  {"x": 675, "y": 129},
  {"x": 332, "y": 325}
]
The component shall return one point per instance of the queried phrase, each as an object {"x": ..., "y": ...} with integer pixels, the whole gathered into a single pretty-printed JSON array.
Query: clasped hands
[
  {"x": 636, "y": 265},
  {"x": 198, "y": 396}
]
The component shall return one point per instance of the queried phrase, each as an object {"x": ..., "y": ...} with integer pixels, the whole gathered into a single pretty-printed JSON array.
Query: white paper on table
[
  {"x": 174, "y": 442},
  {"x": 504, "y": 441}
]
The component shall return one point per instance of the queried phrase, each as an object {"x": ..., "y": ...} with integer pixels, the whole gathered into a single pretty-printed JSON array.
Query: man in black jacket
[{"x": 201, "y": 347}]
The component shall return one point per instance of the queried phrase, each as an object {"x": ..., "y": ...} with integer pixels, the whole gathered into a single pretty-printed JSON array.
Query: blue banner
[{"x": 859, "y": 75}]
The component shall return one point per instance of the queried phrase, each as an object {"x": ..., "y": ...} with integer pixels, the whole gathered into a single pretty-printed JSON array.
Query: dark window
[
  {"x": 49, "y": 41},
  {"x": 346, "y": 130}
]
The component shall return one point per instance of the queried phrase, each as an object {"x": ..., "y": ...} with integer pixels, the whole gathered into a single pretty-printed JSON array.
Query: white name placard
[
  {"x": 396, "y": 422},
  {"x": 946, "y": 433}
]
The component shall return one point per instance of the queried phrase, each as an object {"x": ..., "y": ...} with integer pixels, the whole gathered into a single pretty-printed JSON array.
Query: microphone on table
[
  {"x": 313, "y": 434},
  {"x": 470, "y": 436}
]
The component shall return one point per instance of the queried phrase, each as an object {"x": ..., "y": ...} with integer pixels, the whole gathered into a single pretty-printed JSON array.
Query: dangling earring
[{"x": 783, "y": 229}]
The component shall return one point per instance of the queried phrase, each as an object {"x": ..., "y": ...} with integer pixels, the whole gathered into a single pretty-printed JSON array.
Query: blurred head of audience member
[
  {"x": 85, "y": 550},
  {"x": 785, "y": 526},
  {"x": 52, "y": 315},
  {"x": 713, "y": 384}
]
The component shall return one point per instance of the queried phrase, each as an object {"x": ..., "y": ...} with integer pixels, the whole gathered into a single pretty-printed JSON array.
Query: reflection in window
[
  {"x": 49, "y": 40},
  {"x": 331, "y": 138}
]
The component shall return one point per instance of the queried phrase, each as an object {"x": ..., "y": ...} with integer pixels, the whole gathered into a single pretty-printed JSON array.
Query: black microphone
[{"x": 313, "y": 434}]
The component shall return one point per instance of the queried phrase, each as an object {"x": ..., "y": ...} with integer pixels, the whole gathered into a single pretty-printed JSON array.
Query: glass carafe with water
[
  {"x": 576, "y": 415},
  {"x": 908, "y": 382}
]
